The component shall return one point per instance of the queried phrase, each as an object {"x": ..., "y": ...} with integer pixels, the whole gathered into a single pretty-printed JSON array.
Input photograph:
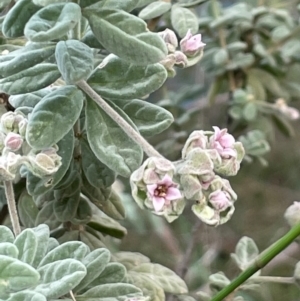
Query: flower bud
[
  {"x": 197, "y": 139},
  {"x": 170, "y": 39},
  {"x": 10, "y": 121},
  {"x": 13, "y": 141},
  {"x": 292, "y": 214},
  {"x": 191, "y": 45},
  {"x": 180, "y": 59},
  {"x": 289, "y": 112},
  {"x": 22, "y": 127}
]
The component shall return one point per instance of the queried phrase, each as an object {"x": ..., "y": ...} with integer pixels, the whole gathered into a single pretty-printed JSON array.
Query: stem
[
  {"x": 261, "y": 260},
  {"x": 287, "y": 280},
  {"x": 127, "y": 128},
  {"x": 10, "y": 197}
]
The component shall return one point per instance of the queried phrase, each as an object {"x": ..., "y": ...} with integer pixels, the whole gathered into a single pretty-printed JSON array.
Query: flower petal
[
  {"x": 151, "y": 188},
  {"x": 166, "y": 180},
  {"x": 158, "y": 203},
  {"x": 173, "y": 194}
]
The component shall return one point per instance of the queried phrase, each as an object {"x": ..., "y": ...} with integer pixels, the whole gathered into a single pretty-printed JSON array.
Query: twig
[
  {"x": 72, "y": 295},
  {"x": 127, "y": 128},
  {"x": 10, "y": 197}
]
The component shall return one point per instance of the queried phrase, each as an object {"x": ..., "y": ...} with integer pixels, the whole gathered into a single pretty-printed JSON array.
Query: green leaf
[
  {"x": 42, "y": 233},
  {"x": 111, "y": 292},
  {"x": 114, "y": 272},
  {"x": 75, "y": 60},
  {"x": 27, "y": 210},
  {"x": 28, "y": 99},
  {"x": 91, "y": 240},
  {"x": 59, "y": 277},
  {"x": 221, "y": 57},
  {"x": 67, "y": 200},
  {"x": 6, "y": 235},
  {"x": 47, "y": 216},
  {"x": 97, "y": 173},
  {"x": 26, "y": 242},
  {"x": 35, "y": 185},
  {"x": 250, "y": 111},
  {"x": 150, "y": 119},
  {"x": 95, "y": 263},
  {"x": 17, "y": 17},
  {"x": 149, "y": 286},
  {"x": 126, "y": 5},
  {"x": 118, "y": 79},
  {"x": 16, "y": 275},
  {"x": 283, "y": 124},
  {"x": 30, "y": 80},
  {"x": 29, "y": 56},
  {"x": 52, "y": 22},
  {"x": 246, "y": 252},
  {"x": 8, "y": 249},
  {"x": 131, "y": 40},
  {"x": 84, "y": 212},
  {"x": 166, "y": 278},
  {"x": 111, "y": 144},
  {"x": 183, "y": 19},
  {"x": 218, "y": 281},
  {"x": 72, "y": 249},
  {"x": 154, "y": 10},
  {"x": 27, "y": 296},
  {"x": 47, "y": 115},
  {"x": 90, "y": 40},
  {"x": 131, "y": 259}
]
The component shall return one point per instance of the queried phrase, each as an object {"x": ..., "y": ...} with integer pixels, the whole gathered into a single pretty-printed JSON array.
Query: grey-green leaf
[
  {"x": 126, "y": 36},
  {"x": 118, "y": 79},
  {"x": 52, "y": 22},
  {"x": 30, "y": 80},
  {"x": 47, "y": 216},
  {"x": 17, "y": 17},
  {"x": 59, "y": 277},
  {"x": 110, "y": 143},
  {"x": 47, "y": 115},
  {"x": 72, "y": 249},
  {"x": 74, "y": 60},
  {"x": 27, "y": 296},
  {"x": 183, "y": 19},
  {"x": 6, "y": 235},
  {"x": 150, "y": 119},
  {"x": 27, "y": 209},
  {"x": 154, "y": 10},
  {"x": 95, "y": 263},
  {"x": 16, "y": 275},
  {"x": 26, "y": 242},
  {"x": 8, "y": 249}
]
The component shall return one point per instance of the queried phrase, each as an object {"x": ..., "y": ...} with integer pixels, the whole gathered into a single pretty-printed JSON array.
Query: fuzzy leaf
[
  {"x": 72, "y": 249},
  {"x": 126, "y": 36},
  {"x": 27, "y": 296},
  {"x": 35, "y": 185},
  {"x": 131, "y": 259},
  {"x": 74, "y": 60},
  {"x": 8, "y": 249},
  {"x": 150, "y": 119},
  {"x": 52, "y": 22},
  {"x": 95, "y": 263},
  {"x": 84, "y": 212},
  {"x": 118, "y": 79},
  {"x": 59, "y": 277},
  {"x": 27, "y": 209},
  {"x": 47, "y": 115},
  {"x": 166, "y": 278},
  {"x": 126, "y": 5},
  {"x": 30, "y": 80},
  {"x": 154, "y": 10},
  {"x": 47, "y": 216},
  {"x": 6, "y": 235},
  {"x": 16, "y": 275},
  {"x": 26, "y": 242},
  {"x": 17, "y": 17},
  {"x": 110, "y": 143},
  {"x": 111, "y": 292},
  {"x": 183, "y": 19}
]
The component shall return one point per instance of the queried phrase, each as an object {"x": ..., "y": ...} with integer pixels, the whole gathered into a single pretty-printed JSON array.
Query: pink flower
[
  {"x": 223, "y": 143},
  {"x": 190, "y": 44},
  {"x": 13, "y": 141},
  {"x": 220, "y": 200},
  {"x": 163, "y": 192}
]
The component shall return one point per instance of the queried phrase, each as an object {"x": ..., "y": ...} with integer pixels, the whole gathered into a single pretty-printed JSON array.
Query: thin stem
[
  {"x": 127, "y": 128},
  {"x": 72, "y": 295},
  {"x": 261, "y": 260},
  {"x": 260, "y": 279},
  {"x": 10, "y": 197}
]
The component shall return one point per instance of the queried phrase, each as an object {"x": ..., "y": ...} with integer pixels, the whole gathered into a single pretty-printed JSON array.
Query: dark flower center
[{"x": 161, "y": 191}]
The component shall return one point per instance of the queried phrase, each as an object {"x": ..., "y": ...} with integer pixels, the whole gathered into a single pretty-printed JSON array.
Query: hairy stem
[
  {"x": 286, "y": 280},
  {"x": 12, "y": 209},
  {"x": 127, "y": 128},
  {"x": 261, "y": 260}
]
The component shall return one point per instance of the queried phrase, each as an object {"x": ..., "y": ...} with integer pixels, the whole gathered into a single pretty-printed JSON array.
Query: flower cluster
[
  {"x": 15, "y": 151},
  {"x": 165, "y": 187},
  {"x": 190, "y": 53}
]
